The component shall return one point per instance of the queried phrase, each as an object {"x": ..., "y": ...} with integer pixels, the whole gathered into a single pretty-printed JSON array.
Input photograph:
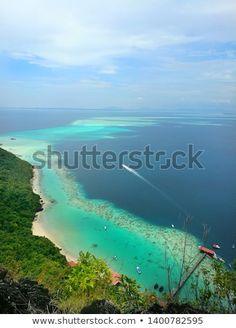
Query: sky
[{"x": 126, "y": 54}]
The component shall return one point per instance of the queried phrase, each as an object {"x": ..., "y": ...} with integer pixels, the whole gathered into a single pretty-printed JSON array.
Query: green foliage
[
  {"x": 217, "y": 294},
  {"x": 225, "y": 288},
  {"x": 88, "y": 281},
  {"x": 127, "y": 295},
  {"x": 20, "y": 252},
  {"x": 90, "y": 277},
  {"x": 91, "y": 280}
]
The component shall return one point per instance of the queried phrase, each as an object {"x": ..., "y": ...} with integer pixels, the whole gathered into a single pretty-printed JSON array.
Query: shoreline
[
  {"x": 158, "y": 235},
  {"x": 163, "y": 235},
  {"x": 37, "y": 226}
]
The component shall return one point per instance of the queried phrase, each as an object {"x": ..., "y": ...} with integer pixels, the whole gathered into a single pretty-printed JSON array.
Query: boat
[
  {"x": 207, "y": 251},
  {"x": 138, "y": 270},
  {"x": 233, "y": 246},
  {"x": 217, "y": 246},
  {"x": 172, "y": 225}
]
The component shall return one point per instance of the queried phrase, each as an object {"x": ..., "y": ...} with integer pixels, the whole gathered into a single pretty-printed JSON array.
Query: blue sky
[{"x": 130, "y": 54}]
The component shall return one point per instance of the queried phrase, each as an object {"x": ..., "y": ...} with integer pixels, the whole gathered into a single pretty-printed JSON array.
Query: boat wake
[{"x": 165, "y": 195}]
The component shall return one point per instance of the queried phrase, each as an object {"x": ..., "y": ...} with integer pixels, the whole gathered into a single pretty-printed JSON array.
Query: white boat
[
  {"x": 217, "y": 246},
  {"x": 138, "y": 270},
  {"x": 233, "y": 246}
]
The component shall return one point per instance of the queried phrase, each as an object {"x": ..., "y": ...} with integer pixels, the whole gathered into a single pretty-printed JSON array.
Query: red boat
[
  {"x": 208, "y": 251},
  {"x": 216, "y": 246}
]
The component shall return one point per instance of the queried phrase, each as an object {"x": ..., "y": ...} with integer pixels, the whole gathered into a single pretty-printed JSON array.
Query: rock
[
  {"x": 173, "y": 308},
  {"x": 3, "y": 274},
  {"x": 184, "y": 308},
  {"x": 156, "y": 286},
  {"x": 23, "y": 297},
  {"x": 155, "y": 309},
  {"x": 161, "y": 289},
  {"x": 100, "y": 307}
]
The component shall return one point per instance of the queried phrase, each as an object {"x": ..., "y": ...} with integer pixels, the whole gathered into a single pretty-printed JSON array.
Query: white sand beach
[{"x": 37, "y": 226}]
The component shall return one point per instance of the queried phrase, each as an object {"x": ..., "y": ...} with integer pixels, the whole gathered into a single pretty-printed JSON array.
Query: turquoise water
[
  {"x": 77, "y": 222},
  {"x": 78, "y": 227}
]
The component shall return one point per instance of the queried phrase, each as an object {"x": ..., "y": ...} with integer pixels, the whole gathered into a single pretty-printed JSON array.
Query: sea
[{"x": 133, "y": 218}]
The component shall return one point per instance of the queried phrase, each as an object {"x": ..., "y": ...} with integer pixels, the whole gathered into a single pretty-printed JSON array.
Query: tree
[
  {"x": 90, "y": 277},
  {"x": 127, "y": 295},
  {"x": 225, "y": 287}
]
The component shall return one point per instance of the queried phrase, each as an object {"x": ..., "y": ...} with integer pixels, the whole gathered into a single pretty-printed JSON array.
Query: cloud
[
  {"x": 109, "y": 70},
  {"x": 220, "y": 75},
  {"x": 97, "y": 33},
  {"x": 124, "y": 53}
]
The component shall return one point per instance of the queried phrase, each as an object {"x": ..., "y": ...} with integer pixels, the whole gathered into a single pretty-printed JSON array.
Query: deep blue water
[{"x": 208, "y": 195}]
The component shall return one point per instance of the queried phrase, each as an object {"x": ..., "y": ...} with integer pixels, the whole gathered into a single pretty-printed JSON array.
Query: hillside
[{"x": 21, "y": 253}]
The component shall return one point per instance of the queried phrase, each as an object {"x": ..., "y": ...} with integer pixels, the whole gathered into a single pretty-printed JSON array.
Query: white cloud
[
  {"x": 91, "y": 32},
  {"x": 109, "y": 70},
  {"x": 220, "y": 75},
  {"x": 173, "y": 52}
]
